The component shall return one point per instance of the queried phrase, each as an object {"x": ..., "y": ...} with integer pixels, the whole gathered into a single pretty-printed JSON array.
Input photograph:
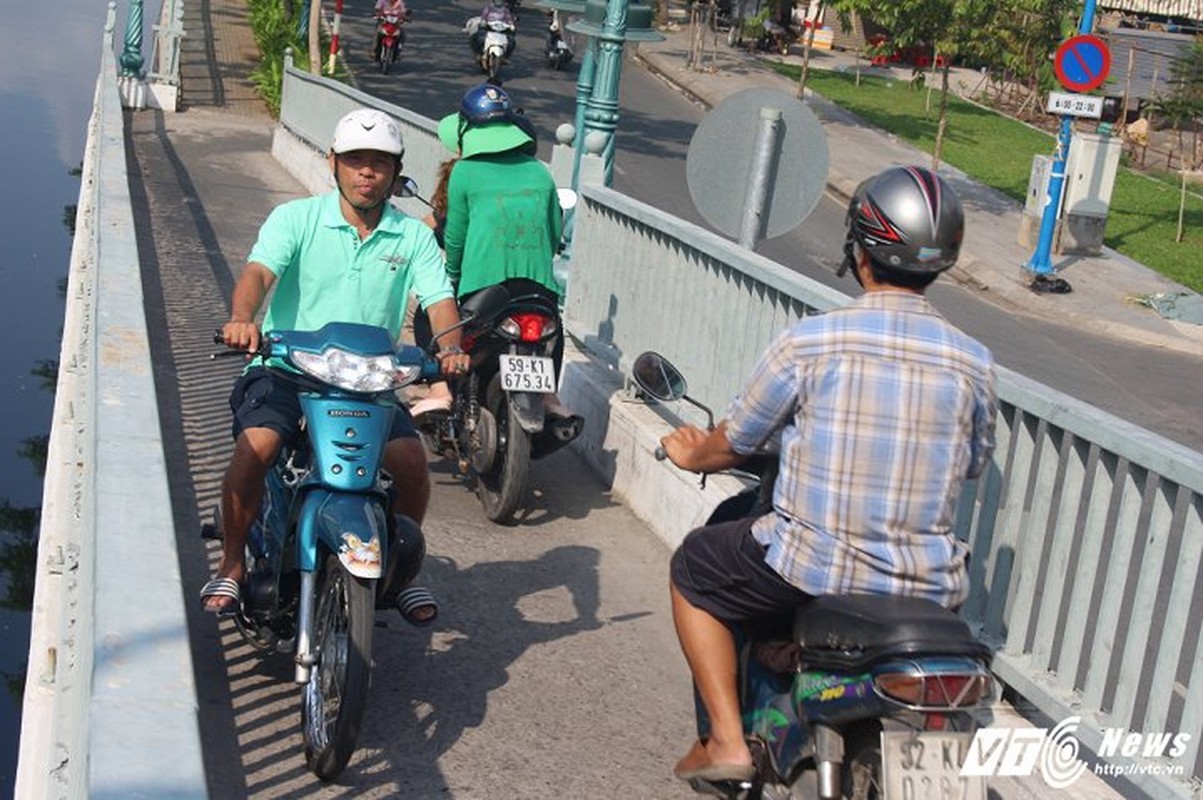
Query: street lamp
[{"x": 608, "y": 25}]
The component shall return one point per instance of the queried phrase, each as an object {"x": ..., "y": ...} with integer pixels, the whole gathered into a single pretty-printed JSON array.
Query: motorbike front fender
[{"x": 351, "y": 525}]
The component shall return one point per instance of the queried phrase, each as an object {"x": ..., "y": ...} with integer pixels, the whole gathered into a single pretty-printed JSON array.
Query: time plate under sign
[{"x": 1075, "y": 105}]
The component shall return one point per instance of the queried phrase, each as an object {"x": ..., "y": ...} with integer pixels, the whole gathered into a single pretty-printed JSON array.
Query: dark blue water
[{"x": 49, "y": 60}]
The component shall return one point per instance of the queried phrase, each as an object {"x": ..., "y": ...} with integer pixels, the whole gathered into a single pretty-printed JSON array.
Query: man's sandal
[
  {"x": 413, "y": 601},
  {"x": 222, "y": 587}
]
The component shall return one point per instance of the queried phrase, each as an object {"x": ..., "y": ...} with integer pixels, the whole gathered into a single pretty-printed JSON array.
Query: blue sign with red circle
[{"x": 1082, "y": 63}]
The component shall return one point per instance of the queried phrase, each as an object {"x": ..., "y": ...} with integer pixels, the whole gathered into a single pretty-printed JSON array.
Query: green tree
[
  {"x": 939, "y": 27},
  {"x": 1182, "y": 107}
]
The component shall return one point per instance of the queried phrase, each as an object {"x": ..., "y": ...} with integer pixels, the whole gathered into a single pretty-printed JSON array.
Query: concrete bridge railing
[{"x": 110, "y": 708}]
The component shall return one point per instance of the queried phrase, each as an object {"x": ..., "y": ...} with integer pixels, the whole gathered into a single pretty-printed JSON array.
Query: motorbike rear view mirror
[
  {"x": 406, "y": 186},
  {"x": 658, "y": 378}
]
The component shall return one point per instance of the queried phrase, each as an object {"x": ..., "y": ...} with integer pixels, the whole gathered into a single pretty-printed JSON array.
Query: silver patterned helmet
[{"x": 908, "y": 220}]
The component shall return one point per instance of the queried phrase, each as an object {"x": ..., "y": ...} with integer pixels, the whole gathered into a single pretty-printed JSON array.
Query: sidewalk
[{"x": 992, "y": 260}]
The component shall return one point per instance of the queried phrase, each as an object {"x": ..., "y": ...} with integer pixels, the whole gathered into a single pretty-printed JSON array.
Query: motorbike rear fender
[
  {"x": 350, "y": 524},
  {"x": 529, "y": 408}
]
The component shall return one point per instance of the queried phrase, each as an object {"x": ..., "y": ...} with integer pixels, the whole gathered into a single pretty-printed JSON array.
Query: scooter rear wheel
[
  {"x": 502, "y": 486},
  {"x": 337, "y": 693}
]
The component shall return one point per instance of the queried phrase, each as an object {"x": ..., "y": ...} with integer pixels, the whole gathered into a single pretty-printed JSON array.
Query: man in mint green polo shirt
[{"x": 346, "y": 256}]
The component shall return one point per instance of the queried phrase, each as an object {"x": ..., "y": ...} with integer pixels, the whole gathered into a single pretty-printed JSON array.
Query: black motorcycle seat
[{"x": 852, "y": 632}]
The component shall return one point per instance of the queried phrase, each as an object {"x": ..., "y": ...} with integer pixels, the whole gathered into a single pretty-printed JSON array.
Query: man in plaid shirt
[{"x": 884, "y": 408}]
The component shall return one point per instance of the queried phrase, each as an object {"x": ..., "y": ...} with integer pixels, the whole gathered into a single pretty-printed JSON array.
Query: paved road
[{"x": 1153, "y": 388}]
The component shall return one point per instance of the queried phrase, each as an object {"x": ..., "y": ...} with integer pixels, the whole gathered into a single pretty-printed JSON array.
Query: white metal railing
[
  {"x": 1086, "y": 531},
  {"x": 165, "y": 49},
  {"x": 110, "y": 707}
]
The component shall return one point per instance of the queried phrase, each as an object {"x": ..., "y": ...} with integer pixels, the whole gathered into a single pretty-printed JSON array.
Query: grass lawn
[{"x": 997, "y": 151}]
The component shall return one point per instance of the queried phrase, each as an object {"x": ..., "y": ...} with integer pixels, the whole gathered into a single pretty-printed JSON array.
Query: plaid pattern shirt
[{"x": 884, "y": 408}]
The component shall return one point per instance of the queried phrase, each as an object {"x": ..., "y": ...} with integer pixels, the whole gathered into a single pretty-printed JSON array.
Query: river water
[{"x": 49, "y": 60}]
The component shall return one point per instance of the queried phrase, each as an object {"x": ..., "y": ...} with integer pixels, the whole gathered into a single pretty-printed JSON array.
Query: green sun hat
[{"x": 491, "y": 137}]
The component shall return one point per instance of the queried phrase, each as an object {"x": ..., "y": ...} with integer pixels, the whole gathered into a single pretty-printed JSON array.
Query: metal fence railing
[
  {"x": 165, "y": 48},
  {"x": 1086, "y": 531}
]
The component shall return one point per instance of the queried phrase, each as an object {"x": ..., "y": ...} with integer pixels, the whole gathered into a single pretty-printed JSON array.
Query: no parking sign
[{"x": 1082, "y": 63}]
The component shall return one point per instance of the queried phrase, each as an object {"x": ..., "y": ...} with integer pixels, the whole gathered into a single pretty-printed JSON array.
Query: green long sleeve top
[{"x": 503, "y": 221}]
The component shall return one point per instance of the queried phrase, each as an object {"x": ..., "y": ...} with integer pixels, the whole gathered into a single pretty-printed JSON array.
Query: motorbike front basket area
[{"x": 852, "y": 632}]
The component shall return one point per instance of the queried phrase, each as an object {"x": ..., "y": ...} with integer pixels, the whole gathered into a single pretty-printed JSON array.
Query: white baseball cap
[{"x": 367, "y": 129}]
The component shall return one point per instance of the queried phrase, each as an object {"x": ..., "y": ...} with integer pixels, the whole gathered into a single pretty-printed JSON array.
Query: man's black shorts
[
  {"x": 720, "y": 569},
  {"x": 263, "y": 399}
]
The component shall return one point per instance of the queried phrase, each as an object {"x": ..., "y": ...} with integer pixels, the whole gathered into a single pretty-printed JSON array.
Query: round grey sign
[{"x": 722, "y": 159}]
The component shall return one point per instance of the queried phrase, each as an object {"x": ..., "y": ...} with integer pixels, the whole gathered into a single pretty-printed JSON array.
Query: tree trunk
[
  {"x": 938, "y": 148},
  {"x": 315, "y": 42},
  {"x": 1181, "y": 206},
  {"x": 807, "y": 42}
]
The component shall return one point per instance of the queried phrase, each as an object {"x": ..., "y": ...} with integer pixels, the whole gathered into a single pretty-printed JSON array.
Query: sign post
[{"x": 1082, "y": 64}]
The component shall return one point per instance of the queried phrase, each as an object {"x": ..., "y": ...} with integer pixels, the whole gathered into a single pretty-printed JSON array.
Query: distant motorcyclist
[
  {"x": 883, "y": 408},
  {"x": 388, "y": 8},
  {"x": 494, "y": 11}
]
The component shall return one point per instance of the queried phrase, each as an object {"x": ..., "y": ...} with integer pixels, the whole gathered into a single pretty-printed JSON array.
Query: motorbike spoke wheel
[
  {"x": 387, "y": 54},
  {"x": 337, "y": 692},
  {"x": 502, "y": 487}
]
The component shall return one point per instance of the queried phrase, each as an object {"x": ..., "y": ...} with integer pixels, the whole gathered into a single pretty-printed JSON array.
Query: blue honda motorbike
[
  {"x": 854, "y": 696},
  {"x": 325, "y": 551}
]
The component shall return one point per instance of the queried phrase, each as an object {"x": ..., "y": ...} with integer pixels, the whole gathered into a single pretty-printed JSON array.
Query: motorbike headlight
[{"x": 353, "y": 372}]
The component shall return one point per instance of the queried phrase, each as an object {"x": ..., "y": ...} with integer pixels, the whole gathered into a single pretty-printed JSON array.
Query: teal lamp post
[
  {"x": 131, "y": 56},
  {"x": 608, "y": 25}
]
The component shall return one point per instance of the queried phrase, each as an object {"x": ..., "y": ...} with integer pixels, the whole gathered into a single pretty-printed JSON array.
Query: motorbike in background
[
  {"x": 495, "y": 45},
  {"x": 855, "y": 696},
  {"x": 325, "y": 550},
  {"x": 559, "y": 52},
  {"x": 390, "y": 37}
]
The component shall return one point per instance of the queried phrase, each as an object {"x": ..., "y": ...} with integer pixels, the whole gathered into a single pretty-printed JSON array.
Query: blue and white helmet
[{"x": 908, "y": 220}]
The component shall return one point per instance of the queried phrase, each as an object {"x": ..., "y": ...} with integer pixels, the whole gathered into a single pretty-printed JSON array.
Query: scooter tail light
[
  {"x": 934, "y": 691},
  {"x": 527, "y": 327}
]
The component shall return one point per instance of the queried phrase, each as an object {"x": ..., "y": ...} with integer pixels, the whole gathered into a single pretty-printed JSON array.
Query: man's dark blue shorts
[
  {"x": 720, "y": 569},
  {"x": 262, "y": 398}
]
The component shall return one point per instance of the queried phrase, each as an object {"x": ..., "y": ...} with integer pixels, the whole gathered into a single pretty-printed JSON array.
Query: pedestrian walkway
[{"x": 992, "y": 260}]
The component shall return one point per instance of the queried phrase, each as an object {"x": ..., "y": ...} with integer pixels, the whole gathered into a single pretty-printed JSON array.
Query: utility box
[
  {"x": 1089, "y": 181},
  {"x": 1033, "y": 205}
]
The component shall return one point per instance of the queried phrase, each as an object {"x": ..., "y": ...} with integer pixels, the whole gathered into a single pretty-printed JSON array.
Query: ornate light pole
[
  {"x": 608, "y": 24},
  {"x": 131, "y": 56}
]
